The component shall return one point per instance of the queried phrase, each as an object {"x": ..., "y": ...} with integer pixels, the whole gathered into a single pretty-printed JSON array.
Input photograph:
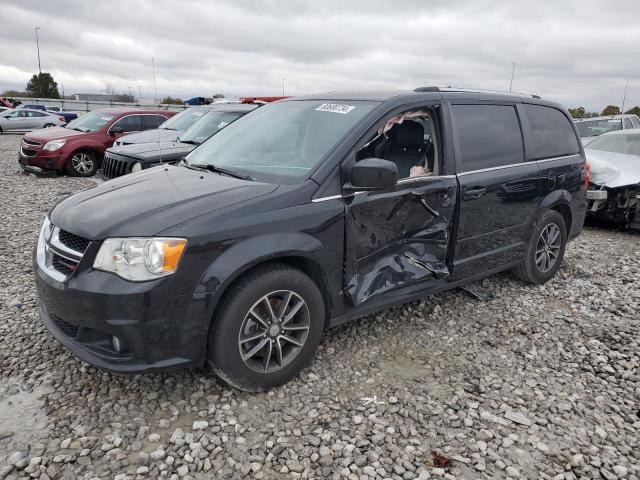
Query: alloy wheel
[
  {"x": 548, "y": 247},
  {"x": 82, "y": 163},
  {"x": 273, "y": 331}
]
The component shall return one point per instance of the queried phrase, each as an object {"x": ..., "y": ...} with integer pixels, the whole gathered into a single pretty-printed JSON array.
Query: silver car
[{"x": 24, "y": 119}]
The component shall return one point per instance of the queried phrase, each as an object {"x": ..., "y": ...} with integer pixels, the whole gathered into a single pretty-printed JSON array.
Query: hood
[
  {"x": 150, "y": 136},
  {"x": 150, "y": 201},
  {"x": 154, "y": 152},
  {"x": 53, "y": 133},
  {"x": 613, "y": 170}
]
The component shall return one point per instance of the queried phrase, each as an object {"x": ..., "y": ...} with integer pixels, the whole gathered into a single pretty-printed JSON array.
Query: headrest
[{"x": 409, "y": 134}]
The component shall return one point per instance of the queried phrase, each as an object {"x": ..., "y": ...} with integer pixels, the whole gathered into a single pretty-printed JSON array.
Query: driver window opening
[{"x": 408, "y": 139}]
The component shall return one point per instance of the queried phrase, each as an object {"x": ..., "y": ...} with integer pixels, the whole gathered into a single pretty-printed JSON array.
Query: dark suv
[{"x": 308, "y": 213}]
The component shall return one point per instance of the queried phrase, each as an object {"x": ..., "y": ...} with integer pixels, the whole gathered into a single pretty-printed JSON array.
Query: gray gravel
[{"x": 540, "y": 382}]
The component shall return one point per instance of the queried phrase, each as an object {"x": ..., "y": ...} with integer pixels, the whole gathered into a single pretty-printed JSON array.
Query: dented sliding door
[{"x": 399, "y": 237}]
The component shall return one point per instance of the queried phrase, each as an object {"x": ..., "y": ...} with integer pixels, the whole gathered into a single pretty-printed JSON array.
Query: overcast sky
[{"x": 575, "y": 52}]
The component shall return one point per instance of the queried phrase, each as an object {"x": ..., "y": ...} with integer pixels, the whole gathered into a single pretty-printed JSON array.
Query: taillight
[
  {"x": 586, "y": 175},
  {"x": 62, "y": 119}
]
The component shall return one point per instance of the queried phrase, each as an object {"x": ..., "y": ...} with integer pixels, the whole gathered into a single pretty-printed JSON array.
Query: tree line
[{"x": 580, "y": 112}]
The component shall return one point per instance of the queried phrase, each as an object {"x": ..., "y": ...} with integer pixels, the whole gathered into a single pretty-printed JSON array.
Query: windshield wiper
[
  {"x": 190, "y": 142},
  {"x": 220, "y": 170}
]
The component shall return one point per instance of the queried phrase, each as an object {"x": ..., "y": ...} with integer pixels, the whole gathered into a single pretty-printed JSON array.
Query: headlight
[
  {"x": 117, "y": 143},
  {"x": 136, "y": 167},
  {"x": 53, "y": 145},
  {"x": 140, "y": 259},
  {"x": 47, "y": 229}
]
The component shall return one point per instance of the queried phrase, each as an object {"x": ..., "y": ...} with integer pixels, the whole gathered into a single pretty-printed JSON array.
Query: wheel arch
[
  {"x": 297, "y": 250},
  {"x": 560, "y": 201}
]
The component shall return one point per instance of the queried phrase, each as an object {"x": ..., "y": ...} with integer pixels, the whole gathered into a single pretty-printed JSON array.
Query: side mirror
[
  {"x": 116, "y": 130},
  {"x": 373, "y": 174}
]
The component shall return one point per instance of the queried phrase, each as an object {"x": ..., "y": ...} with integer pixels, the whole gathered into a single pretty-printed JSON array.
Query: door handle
[{"x": 474, "y": 193}]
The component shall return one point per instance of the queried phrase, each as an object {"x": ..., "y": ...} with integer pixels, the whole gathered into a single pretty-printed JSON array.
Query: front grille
[
  {"x": 113, "y": 167},
  {"x": 30, "y": 142},
  {"x": 63, "y": 265},
  {"x": 74, "y": 242},
  {"x": 66, "y": 327}
]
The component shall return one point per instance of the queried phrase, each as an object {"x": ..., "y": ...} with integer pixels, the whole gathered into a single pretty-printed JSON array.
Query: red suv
[{"x": 78, "y": 147}]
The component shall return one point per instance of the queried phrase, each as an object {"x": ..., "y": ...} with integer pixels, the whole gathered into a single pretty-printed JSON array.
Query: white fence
[{"x": 87, "y": 105}]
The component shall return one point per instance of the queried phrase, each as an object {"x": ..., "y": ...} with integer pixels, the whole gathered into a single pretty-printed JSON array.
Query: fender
[
  {"x": 554, "y": 198},
  {"x": 250, "y": 252}
]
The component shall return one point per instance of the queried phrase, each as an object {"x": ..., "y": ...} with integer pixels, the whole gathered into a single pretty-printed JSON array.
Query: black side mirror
[
  {"x": 116, "y": 130},
  {"x": 373, "y": 174}
]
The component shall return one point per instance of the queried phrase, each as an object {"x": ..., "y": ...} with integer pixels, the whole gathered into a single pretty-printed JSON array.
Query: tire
[
  {"x": 234, "y": 349},
  {"x": 542, "y": 262},
  {"x": 82, "y": 164},
  {"x": 48, "y": 125}
]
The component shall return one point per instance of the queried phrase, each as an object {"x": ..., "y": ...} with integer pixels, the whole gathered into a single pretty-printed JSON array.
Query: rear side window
[
  {"x": 489, "y": 136},
  {"x": 152, "y": 121},
  {"x": 130, "y": 123},
  {"x": 627, "y": 123},
  {"x": 551, "y": 131},
  {"x": 635, "y": 122}
]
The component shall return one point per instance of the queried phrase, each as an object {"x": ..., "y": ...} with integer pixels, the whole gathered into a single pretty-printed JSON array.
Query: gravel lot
[{"x": 539, "y": 382}]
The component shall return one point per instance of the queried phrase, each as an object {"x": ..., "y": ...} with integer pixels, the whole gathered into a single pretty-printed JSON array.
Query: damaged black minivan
[{"x": 302, "y": 215}]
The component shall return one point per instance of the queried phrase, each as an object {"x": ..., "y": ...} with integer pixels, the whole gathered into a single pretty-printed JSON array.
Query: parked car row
[
  {"x": 78, "y": 147},
  {"x": 68, "y": 116},
  {"x": 301, "y": 215}
]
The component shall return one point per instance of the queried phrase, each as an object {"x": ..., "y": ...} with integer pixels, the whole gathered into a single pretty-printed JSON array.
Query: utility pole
[
  {"x": 513, "y": 71},
  {"x": 155, "y": 89},
  {"x": 139, "y": 93},
  {"x": 130, "y": 96},
  {"x": 38, "y": 47},
  {"x": 283, "y": 81},
  {"x": 624, "y": 98}
]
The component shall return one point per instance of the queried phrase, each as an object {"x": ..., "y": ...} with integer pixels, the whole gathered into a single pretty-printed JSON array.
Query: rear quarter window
[
  {"x": 152, "y": 121},
  {"x": 627, "y": 123},
  {"x": 551, "y": 132},
  {"x": 488, "y": 135}
]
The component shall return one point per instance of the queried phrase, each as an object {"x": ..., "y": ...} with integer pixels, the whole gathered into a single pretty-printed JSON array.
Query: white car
[
  {"x": 614, "y": 186},
  {"x": 591, "y": 128},
  {"x": 25, "y": 119}
]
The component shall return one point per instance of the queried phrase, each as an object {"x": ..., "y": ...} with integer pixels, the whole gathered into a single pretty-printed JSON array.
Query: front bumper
[
  {"x": 42, "y": 163},
  {"x": 157, "y": 331}
]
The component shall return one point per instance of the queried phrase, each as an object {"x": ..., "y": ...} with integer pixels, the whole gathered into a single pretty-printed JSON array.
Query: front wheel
[
  {"x": 48, "y": 125},
  {"x": 82, "y": 164},
  {"x": 545, "y": 250},
  {"x": 267, "y": 328}
]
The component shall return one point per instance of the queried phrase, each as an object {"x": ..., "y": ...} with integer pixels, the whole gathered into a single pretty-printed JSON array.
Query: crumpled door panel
[{"x": 398, "y": 238}]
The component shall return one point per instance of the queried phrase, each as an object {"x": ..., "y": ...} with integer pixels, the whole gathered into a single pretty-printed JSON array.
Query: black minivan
[{"x": 304, "y": 214}]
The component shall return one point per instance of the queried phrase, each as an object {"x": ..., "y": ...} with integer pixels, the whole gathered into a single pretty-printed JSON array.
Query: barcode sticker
[{"x": 335, "y": 108}]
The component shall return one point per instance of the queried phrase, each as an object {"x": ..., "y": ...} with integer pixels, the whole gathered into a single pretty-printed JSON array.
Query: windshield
[
  {"x": 90, "y": 122},
  {"x": 281, "y": 142},
  {"x": 184, "y": 120},
  {"x": 593, "y": 128},
  {"x": 628, "y": 143},
  {"x": 208, "y": 125}
]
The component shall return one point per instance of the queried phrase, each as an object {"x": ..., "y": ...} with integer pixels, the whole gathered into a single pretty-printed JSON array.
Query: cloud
[{"x": 574, "y": 52}]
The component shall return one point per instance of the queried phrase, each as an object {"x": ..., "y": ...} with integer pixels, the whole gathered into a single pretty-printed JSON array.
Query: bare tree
[{"x": 110, "y": 89}]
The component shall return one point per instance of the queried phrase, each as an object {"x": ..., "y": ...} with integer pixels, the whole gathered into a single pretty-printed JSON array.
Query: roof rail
[
  {"x": 427, "y": 89},
  {"x": 484, "y": 90}
]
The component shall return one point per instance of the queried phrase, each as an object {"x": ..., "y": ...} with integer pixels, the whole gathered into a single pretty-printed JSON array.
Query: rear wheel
[
  {"x": 546, "y": 249},
  {"x": 82, "y": 164},
  {"x": 48, "y": 125},
  {"x": 266, "y": 329}
]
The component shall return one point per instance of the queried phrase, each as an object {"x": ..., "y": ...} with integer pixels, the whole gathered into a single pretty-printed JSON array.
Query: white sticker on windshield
[
  {"x": 106, "y": 118},
  {"x": 222, "y": 124},
  {"x": 335, "y": 108},
  {"x": 198, "y": 114},
  {"x": 614, "y": 121}
]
